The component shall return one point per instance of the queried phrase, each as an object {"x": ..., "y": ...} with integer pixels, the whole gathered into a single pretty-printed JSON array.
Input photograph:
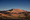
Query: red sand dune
[{"x": 17, "y": 11}]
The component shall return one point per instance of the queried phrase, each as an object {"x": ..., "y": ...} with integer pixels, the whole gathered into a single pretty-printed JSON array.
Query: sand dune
[{"x": 16, "y": 10}]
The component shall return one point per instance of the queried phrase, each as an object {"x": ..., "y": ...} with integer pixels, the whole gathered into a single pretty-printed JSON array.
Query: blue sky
[{"x": 9, "y": 4}]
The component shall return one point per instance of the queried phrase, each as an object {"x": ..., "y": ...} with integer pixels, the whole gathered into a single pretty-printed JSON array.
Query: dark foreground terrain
[{"x": 15, "y": 17}]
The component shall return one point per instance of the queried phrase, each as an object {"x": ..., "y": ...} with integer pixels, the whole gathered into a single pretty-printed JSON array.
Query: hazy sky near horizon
[{"x": 20, "y": 4}]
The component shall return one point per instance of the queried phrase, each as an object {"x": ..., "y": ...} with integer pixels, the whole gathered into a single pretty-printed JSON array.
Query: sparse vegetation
[{"x": 13, "y": 17}]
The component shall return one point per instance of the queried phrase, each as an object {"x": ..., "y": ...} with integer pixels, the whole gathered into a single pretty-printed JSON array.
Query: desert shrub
[
  {"x": 19, "y": 13},
  {"x": 9, "y": 14},
  {"x": 0, "y": 14},
  {"x": 0, "y": 17},
  {"x": 26, "y": 14},
  {"x": 19, "y": 16},
  {"x": 4, "y": 16}
]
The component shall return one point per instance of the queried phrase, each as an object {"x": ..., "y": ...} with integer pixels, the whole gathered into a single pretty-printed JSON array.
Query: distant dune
[{"x": 16, "y": 10}]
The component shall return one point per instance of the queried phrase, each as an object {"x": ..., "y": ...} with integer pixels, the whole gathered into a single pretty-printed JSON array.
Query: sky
[{"x": 10, "y": 4}]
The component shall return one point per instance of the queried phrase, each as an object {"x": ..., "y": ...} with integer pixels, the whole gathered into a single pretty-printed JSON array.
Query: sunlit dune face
[
  {"x": 19, "y": 10},
  {"x": 7, "y": 11},
  {"x": 14, "y": 15},
  {"x": 14, "y": 11},
  {"x": 4, "y": 14}
]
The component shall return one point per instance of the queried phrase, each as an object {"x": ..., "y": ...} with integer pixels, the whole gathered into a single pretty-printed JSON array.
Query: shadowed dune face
[
  {"x": 2, "y": 11},
  {"x": 11, "y": 10}
]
